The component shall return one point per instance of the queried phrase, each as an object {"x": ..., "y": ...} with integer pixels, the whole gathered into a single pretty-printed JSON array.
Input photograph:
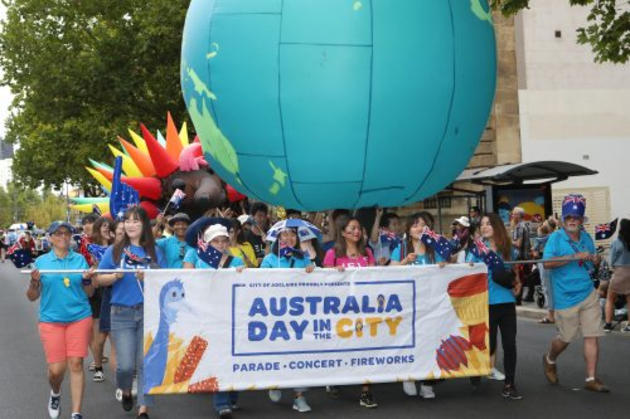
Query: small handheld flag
[
  {"x": 209, "y": 254},
  {"x": 437, "y": 242},
  {"x": 606, "y": 230}
]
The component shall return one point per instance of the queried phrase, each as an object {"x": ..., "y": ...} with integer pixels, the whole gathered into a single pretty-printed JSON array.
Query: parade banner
[{"x": 208, "y": 331}]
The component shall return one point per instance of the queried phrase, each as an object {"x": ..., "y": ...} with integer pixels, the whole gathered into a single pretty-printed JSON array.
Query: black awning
[{"x": 544, "y": 171}]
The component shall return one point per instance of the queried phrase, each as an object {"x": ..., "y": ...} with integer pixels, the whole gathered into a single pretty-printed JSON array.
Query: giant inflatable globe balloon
[{"x": 319, "y": 104}]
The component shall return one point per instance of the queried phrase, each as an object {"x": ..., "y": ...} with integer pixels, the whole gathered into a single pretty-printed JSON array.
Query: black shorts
[{"x": 95, "y": 303}]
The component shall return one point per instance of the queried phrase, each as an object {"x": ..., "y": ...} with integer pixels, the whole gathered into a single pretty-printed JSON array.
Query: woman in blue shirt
[
  {"x": 137, "y": 250},
  {"x": 285, "y": 253},
  {"x": 412, "y": 251},
  {"x": 65, "y": 316},
  {"x": 502, "y": 300}
]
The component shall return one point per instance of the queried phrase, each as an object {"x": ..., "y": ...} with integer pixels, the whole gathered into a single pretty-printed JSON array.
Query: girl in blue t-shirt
[
  {"x": 412, "y": 251},
  {"x": 285, "y": 253},
  {"x": 502, "y": 301},
  {"x": 137, "y": 251}
]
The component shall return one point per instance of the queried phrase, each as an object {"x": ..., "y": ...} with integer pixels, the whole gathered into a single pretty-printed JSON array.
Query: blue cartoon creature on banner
[{"x": 339, "y": 103}]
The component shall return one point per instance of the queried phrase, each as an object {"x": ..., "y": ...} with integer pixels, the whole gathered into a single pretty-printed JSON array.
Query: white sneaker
[
  {"x": 495, "y": 374},
  {"x": 275, "y": 395},
  {"x": 426, "y": 392},
  {"x": 54, "y": 406},
  {"x": 118, "y": 395},
  {"x": 299, "y": 404},
  {"x": 409, "y": 388},
  {"x": 98, "y": 376},
  {"x": 134, "y": 387}
]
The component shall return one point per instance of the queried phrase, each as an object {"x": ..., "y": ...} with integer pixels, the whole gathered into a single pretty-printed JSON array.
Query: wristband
[{"x": 86, "y": 281}]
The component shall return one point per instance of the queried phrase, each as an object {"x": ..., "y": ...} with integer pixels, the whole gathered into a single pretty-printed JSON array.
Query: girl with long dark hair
[
  {"x": 620, "y": 282},
  {"x": 502, "y": 300},
  {"x": 137, "y": 251},
  {"x": 350, "y": 251},
  {"x": 412, "y": 251}
]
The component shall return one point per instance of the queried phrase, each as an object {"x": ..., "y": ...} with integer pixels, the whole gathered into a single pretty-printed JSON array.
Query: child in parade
[
  {"x": 136, "y": 251},
  {"x": 351, "y": 251},
  {"x": 502, "y": 300},
  {"x": 285, "y": 254}
]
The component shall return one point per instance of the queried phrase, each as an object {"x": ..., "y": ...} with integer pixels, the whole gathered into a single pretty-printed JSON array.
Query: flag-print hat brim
[{"x": 198, "y": 227}]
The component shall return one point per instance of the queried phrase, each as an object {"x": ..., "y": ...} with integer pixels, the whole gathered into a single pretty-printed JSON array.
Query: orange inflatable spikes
[
  {"x": 163, "y": 163},
  {"x": 142, "y": 160},
  {"x": 173, "y": 143}
]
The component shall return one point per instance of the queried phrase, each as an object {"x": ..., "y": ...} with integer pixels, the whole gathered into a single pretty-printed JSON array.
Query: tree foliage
[
  {"x": 82, "y": 72},
  {"x": 19, "y": 204},
  {"x": 607, "y": 30}
]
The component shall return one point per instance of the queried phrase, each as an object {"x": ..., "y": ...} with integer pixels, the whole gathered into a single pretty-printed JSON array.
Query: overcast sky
[{"x": 5, "y": 94}]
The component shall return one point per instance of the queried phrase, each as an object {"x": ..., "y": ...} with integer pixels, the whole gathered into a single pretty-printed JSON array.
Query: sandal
[{"x": 545, "y": 320}]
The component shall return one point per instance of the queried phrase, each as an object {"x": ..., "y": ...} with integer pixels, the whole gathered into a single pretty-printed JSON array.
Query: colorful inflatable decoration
[
  {"x": 156, "y": 169},
  {"x": 338, "y": 103}
]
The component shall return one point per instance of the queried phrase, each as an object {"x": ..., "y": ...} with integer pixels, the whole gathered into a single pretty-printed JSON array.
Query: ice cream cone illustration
[{"x": 469, "y": 298}]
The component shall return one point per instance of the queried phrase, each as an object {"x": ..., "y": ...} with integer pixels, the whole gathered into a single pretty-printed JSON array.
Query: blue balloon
[{"x": 319, "y": 104}]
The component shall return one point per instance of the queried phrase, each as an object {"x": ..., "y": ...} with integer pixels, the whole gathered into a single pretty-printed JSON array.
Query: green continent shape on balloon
[
  {"x": 477, "y": 9},
  {"x": 213, "y": 140},
  {"x": 200, "y": 86}
]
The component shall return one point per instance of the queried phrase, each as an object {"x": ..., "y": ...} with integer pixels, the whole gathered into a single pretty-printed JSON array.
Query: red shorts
[{"x": 65, "y": 340}]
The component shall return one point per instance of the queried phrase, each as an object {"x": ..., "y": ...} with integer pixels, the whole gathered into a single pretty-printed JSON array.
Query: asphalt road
[{"x": 24, "y": 389}]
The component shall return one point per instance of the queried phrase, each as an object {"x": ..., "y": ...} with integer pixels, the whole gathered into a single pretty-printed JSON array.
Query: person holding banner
[
  {"x": 212, "y": 253},
  {"x": 175, "y": 247},
  {"x": 494, "y": 249},
  {"x": 239, "y": 246},
  {"x": 285, "y": 253},
  {"x": 136, "y": 251},
  {"x": 351, "y": 251},
  {"x": 100, "y": 240},
  {"x": 65, "y": 317},
  {"x": 413, "y": 251}
]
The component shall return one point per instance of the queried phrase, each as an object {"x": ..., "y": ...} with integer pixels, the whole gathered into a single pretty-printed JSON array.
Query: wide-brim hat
[
  {"x": 180, "y": 216},
  {"x": 465, "y": 221},
  {"x": 198, "y": 227}
]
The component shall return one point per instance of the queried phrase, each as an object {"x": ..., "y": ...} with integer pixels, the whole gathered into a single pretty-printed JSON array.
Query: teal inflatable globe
[{"x": 320, "y": 104}]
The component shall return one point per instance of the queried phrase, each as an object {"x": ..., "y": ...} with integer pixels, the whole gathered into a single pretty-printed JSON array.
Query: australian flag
[
  {"x": 122, "y": 196},
  {"x": 605, "y": 231},
  {"x": 176, "y": 199},
  {"x": 20, "y": 257},
  {"x": 96, "y": 251},
  {"x": 209, "y": 254},
  {"x": 288, "y": 252},
  {"x": 389, "y": 240},
  {"x": 489, "y": 256},
  {"x": 438, "y": 243},
  {"x": 134, "y": 261}
]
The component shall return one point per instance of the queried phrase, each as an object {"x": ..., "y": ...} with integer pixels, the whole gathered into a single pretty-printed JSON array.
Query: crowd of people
[{"x": 80, "y": 312}]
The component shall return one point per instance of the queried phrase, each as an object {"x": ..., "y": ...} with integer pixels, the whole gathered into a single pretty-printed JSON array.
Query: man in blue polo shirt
[
  {"x": 575, "y": 299},
  {"x": 175, "y": 246}
]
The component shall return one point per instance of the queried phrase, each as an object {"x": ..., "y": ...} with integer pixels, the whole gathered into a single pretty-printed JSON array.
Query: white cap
[
  {"x": 518, "y": 210},
  {"x": 243, "y": 218},
  {"x": 214, "y": 231},
  {"x": 463, "y": 221}
]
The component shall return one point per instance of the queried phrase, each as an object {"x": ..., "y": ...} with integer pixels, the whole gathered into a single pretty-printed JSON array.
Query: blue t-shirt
[
  {"x": 496, "y": 293},
  {"x": 572, "y": 282},
  {"x": 273, "y": 261},
  {"x": 420, "y": 259},
  {"x": 126, "y": 291},
  {"x": 174, "y": 251},
  {"x": 191, "y": 256},
  {"x": 62, "y": 297},
  {"x": 234, "y": 263}
]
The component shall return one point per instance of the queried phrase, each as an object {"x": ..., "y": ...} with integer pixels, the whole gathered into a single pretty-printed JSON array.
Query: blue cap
[
  {"x": 573, "y": 205},
  {"x": 56, "y": 225}
]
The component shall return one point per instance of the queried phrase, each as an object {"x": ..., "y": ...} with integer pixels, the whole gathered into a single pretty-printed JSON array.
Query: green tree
[
  {"x": 607, "y": 30},
  {"x": 82, "y": 72},
  {"x": 19, "y": 204}
]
